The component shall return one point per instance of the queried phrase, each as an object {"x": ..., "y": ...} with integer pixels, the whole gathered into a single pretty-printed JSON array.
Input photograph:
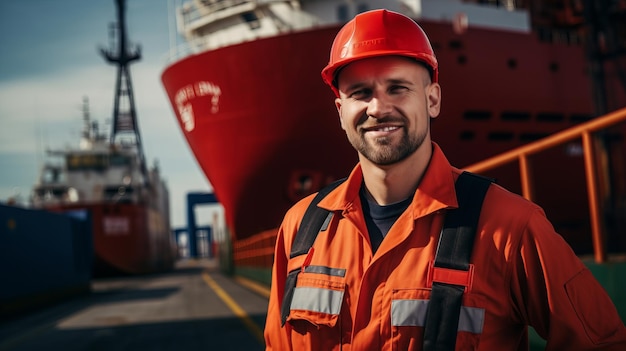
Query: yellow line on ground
[
  {"x": 254, "y": 286},
  {"x": 239, "y": 312}
]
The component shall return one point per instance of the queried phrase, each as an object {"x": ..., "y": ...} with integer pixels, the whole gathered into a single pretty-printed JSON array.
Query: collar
[{"x": 435, "y": 191}]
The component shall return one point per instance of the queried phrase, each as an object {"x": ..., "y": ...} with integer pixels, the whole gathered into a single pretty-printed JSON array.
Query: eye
[
  {"x": 360, "y": 94},
  {"x": 397, "y": 89}
]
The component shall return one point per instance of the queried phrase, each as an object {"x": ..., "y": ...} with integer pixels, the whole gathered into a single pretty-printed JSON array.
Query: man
[{"x": 365, "y": 283}]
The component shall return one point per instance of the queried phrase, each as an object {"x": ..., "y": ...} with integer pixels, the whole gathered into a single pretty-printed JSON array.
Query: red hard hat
[{"x": 379, "y": 33}]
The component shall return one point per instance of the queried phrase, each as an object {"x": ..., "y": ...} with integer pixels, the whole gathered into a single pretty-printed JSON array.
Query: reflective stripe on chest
[
  {"x": 406, "y": 313},
  {"x": 319, "y": 300}
]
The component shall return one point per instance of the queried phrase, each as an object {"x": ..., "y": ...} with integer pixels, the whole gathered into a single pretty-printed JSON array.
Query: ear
[
  {"x": 338, "y": 106},
  {"x": 433, "y": 95}
]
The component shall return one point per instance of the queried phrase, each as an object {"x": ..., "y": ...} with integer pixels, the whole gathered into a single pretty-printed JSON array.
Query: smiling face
[{"x": 385, "y": 105}]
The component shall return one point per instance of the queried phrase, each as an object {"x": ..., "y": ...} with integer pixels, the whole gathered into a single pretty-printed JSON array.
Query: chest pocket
[{"x": 318, "y": 296}]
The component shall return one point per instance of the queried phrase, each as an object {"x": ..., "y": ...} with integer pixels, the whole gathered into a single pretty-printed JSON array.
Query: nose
[{"x": 379, "y": 106}]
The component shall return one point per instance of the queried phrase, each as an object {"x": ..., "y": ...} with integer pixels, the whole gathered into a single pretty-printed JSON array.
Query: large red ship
[
  {"x": 250, "y": 101},
  {"x": 107, "y": 176}
]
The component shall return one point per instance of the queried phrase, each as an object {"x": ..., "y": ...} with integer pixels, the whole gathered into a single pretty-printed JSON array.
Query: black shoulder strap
[
  {"x": 315, "y": 219},
  {"x": 453, "y": 252}
]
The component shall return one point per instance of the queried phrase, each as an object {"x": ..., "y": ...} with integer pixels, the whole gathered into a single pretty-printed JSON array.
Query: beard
[{"x": 384, "y": 151}]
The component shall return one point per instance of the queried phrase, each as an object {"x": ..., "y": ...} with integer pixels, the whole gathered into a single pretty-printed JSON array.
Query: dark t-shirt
[{"x": 379, "y": 219}]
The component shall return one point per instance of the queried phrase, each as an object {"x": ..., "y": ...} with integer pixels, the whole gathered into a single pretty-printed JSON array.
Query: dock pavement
[{"x": 193, "y": 307}]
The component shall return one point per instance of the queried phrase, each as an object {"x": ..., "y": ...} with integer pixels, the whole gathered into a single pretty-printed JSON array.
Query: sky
[{"x": 50, "y": 61}]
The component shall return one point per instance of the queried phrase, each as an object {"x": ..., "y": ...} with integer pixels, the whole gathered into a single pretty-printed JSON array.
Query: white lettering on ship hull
[
  {"x": 116, "y": 226},
  {"x": 186, "y": 94}
]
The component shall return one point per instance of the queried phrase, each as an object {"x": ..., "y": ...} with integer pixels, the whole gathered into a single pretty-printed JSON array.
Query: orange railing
[
  {"x": 255, "y": 251},
  {"x": 583, "y": 131}
]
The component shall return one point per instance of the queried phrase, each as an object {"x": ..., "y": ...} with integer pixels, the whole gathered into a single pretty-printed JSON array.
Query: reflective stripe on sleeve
[
  {"x": 406, "y": 313},
  {"x": 317, "y": 300},
  {"x": 336, "y": 272}
]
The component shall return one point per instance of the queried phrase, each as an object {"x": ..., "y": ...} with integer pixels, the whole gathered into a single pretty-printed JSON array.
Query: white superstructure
[
  {"x": 212, "y": 24},
  {"x": 96, "y": 171}
]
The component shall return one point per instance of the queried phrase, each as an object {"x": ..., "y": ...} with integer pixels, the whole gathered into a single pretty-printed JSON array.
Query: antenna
[
  {"x": 124, "y": 113},
  {"x": 86, "y": 134}
]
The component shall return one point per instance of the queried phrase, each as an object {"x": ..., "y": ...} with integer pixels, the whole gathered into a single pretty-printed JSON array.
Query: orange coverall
[{"x": 524, "y": 274}]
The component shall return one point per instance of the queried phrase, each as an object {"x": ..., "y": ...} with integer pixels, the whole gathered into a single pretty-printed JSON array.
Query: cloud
[
  {"x": 35, "y": 106},
  {"x": 31, "y": 104}
]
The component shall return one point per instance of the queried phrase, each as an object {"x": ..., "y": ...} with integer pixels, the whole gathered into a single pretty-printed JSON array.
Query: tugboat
[{"x": 108, "y": 176}]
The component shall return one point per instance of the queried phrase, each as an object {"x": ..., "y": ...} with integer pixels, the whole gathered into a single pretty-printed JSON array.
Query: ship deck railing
[
  {"x": 192, "y": 12},
  {"x": 584, "y": 131}
]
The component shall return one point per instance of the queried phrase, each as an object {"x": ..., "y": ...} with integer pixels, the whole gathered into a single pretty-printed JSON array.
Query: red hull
[
  {"x": 274, "y": 119},
  {"x": 127, "y": 238}
]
